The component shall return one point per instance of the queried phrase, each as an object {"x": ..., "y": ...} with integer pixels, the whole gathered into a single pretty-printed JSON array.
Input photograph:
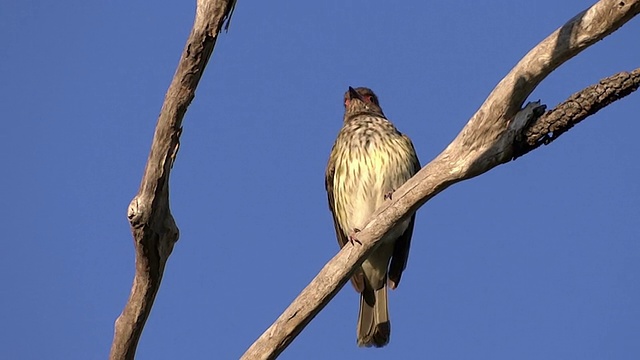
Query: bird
[{"x": 369, "y": 160}]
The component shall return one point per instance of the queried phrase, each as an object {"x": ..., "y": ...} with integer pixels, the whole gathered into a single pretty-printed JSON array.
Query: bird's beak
[{"x": 353, "y": 94}]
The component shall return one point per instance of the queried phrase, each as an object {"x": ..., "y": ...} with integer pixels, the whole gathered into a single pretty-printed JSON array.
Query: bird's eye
[{"x": 370, "y": 98}]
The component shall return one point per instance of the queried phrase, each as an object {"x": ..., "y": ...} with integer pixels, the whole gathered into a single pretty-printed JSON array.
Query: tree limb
[
  {"x": 578, "y": 107},
  {"x": 154, "y": 230},
  {"x": 490, "y": 138}
]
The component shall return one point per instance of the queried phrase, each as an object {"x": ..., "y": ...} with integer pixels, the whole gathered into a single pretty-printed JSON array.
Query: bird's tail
[{"x": 374, "y": 327}]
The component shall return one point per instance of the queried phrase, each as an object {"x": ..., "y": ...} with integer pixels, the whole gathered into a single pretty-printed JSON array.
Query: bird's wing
[
  {"x": 400, "y": 255},
  {"x": 358, "y": 276},
  {"x": 403, "y": 243}
]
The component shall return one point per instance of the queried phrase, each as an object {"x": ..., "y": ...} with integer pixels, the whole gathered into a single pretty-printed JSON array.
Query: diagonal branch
[
  {"x": 578, "y": 107},
  {"x": 488, "y": 140},
  {"x": 153, "y": 227}
]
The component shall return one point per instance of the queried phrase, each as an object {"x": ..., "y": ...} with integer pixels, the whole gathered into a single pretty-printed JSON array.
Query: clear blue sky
[{"x": 537, "y": 259}]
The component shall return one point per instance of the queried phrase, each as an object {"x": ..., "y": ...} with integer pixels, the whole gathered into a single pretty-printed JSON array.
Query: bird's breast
[{"x": 372, "y": 163}]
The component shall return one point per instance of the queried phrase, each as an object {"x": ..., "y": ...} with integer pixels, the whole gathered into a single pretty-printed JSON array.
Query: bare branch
[
  {"x": 578, "y": 107},
  {"x": 487, "y": 141},
  {"x": 153, "y": 227}
]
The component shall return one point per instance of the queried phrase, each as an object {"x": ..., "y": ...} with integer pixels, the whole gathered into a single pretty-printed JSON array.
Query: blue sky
[{"x": 537, "y": 259}]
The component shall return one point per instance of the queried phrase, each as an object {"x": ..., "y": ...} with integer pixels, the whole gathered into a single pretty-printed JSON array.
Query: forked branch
[{"x": 493, "y": 136}]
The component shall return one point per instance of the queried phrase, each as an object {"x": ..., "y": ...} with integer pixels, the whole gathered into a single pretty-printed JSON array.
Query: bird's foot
[
  {"x": 389, "y": 195},
  {"x": 352, "y": 237}
]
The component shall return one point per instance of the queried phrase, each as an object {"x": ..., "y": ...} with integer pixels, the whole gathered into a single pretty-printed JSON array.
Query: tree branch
[
  {"x": 578, "y": 107},
  {"x": 488, "y": 140},
  {"x": 152, "y": 225}
]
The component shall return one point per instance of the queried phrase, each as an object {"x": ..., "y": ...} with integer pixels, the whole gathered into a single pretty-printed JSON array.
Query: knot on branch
[
  {"x": 153, "y": 223},
  {"x": 135, "y": 212}
]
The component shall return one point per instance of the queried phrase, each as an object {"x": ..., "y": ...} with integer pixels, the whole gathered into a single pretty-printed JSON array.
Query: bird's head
[{"x": 361, "y": 100}]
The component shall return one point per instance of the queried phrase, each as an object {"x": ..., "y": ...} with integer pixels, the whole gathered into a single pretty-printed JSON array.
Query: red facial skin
[{"x": 367, "y": 98}]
